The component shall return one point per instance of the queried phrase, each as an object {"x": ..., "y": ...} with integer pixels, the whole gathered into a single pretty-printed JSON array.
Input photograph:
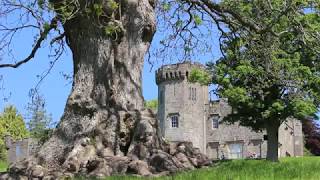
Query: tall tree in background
[
  {"x": 269, "y": 68},
  {"x": 39, "y": 121},
  {"x": 11, "y": 123},
  {"x": 272, "y": 76}
]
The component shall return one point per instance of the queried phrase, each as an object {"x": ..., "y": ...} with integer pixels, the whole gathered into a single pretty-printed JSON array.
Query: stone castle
[{"x": 186, "y": 114}]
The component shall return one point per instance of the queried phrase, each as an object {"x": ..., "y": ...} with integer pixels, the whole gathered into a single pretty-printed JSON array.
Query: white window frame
[
  {"x": 174, "y": 121},
  {"x": 238, "y": 146},
  {"x": 214, "y": 118}
]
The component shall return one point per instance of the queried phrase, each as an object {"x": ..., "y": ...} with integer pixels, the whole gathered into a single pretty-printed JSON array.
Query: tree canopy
[
  {"x": 272, "y": 75},
  {"x": 152, "y": 104}
]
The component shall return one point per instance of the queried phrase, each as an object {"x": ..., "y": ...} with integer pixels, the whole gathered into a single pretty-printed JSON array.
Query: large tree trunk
[
  {"x": 107, "y": 78},
  {"x": 104, "y": 129},
  {"x": 273, "y": 141}
]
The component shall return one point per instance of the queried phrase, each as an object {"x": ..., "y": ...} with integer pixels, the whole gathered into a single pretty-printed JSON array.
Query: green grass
[
  {"x": 305, "y": 168},
  {"x": 3, "y": 166}
]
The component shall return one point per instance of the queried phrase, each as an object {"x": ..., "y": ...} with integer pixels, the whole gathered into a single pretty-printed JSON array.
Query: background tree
[
  {"x": 11, "y": 123},
  {"x": 40, "y": 122},
  {"x": 152, "y": 104},
  {"x": 311, "y": 133},
  {"x": 269, "y": 69},
  {"x": 270, "y": 77}
]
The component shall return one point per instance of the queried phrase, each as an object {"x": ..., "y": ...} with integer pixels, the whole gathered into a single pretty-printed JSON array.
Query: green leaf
[
  {"x": 197, "y": 20},
  {"x": 113, "y": 4},
  {"x": 166, "y": 6},
  {"x": 98, "y": 9},
  {"x": 303, "y": 108},
  {"x": 236, "y": 95},
  {"x": 179, "y": 23},
  {"x": 46, "y": 26}
]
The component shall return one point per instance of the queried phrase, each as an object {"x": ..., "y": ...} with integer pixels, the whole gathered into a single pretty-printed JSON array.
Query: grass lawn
[
  {"x": 3, "y": 166},
  {"x": 306, "y": 168}
]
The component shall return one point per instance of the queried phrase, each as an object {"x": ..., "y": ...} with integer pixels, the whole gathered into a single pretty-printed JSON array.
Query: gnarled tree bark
[
  {"x": 105, "y": 129},
  {"x": 107, "y": 77}
]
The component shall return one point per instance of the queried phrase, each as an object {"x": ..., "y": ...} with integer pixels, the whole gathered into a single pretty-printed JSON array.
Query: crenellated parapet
[{"x": 179, "y": 71}]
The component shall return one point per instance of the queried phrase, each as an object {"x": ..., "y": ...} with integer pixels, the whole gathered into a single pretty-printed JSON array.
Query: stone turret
[
  {"x": 178, "y": 71},
  {"x": 182, "y": 104}
]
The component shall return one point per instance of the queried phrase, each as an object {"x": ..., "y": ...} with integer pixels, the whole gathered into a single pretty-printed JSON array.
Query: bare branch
[{"x": 42, "y": 37}]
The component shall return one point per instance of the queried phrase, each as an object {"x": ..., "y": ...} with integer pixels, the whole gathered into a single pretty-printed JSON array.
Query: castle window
[
  {"x": 235, "y": 150},
  {"x": 215, "y": 121},
  {"x": 192, "y": 94},
  {"x": 174, "y": 121}
]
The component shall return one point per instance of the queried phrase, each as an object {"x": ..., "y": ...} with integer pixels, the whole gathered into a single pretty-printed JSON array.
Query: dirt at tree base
[{"x": 141, "y": 151}]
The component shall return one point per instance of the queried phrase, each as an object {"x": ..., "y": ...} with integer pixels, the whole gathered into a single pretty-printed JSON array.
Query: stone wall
[
  {"x": 227, "y": 135},
  {"x": 252, "y": 143},
  {"x": 20, "y": 149},
  {"x": 291, "y": 138}
]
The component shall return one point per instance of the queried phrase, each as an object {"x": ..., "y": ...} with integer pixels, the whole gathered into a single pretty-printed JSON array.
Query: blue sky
[{"x": 16, "y": 83}]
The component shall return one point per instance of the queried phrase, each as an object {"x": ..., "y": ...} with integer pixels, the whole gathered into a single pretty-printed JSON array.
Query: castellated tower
[{"x": 182, "y": 104}]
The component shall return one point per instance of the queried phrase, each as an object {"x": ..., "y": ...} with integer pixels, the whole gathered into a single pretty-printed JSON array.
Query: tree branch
[{"x": 43, "y": 36}]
